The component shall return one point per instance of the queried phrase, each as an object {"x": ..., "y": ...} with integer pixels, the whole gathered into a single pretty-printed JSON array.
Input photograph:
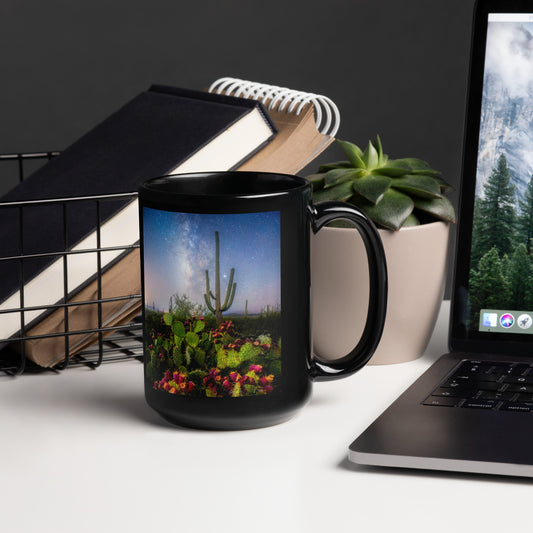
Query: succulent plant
[{"x": 394, "y": 193}]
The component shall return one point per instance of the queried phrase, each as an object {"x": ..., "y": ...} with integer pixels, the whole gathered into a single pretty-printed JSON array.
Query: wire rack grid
[{"x": 107, "y": 342}]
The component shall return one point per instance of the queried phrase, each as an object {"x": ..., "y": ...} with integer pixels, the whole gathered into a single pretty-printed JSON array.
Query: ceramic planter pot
[{"x": 416, "y": 263}]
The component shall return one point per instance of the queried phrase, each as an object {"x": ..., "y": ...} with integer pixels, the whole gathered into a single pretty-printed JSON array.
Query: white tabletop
[{"x": 82, "y": 452}]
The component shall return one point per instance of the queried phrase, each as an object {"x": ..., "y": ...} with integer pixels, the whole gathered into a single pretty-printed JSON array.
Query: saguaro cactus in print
[{"x": 214, "y": 301}]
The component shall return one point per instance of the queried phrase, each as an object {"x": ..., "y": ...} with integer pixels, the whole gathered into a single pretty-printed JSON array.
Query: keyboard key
[
  {"x": 463, "y": 377},
  {"x": 515, "y": 379},
  {"x": 524, "y": 398},
  {"x": 518, "y": 369},
  {"x": 480, "y": 404},
  {"x": 488, "y": 385},
  {"x": 443, "y": 402},
  {"x": 526, "y": 380},
  {"x": 496, "y": 369},
  {"x": 490, "y": 377},
  {"x": 452, "y": 384},
  {"x": 469, "y": 366},
  {"x": 446, "y": 392},
  {"x": 459, "y": 384},
  {"x": 490, "y": 395},
  {"x": 525, "y": 407},
  {"x": 519, "y": 388}
]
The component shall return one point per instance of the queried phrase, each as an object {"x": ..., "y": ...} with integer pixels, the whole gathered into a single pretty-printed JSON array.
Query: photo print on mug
[{"x": 212, "y": 285}]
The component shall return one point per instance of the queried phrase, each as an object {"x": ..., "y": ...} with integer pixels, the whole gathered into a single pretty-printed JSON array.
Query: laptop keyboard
[{"x": 486, "y": 385}]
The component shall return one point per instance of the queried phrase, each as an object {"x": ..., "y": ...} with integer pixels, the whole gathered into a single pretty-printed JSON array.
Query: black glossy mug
[{"x": 226, "y": 297}]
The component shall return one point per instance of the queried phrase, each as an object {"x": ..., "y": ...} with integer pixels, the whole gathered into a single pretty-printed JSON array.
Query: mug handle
[{"x": 320, "y": 215}]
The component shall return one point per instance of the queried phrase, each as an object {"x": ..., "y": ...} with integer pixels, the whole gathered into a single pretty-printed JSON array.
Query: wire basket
[{"x": 103, "y": 343}]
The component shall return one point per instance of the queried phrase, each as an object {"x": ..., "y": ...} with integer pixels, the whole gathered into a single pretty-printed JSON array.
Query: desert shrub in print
[{"x": 188, "y": 358}]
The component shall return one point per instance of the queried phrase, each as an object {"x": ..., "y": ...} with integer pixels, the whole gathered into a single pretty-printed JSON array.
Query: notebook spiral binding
[
  {"x": 124, "y": 342},
  {"x": 327, "y": 116}
]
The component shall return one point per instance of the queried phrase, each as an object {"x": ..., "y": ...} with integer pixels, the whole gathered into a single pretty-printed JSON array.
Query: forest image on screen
[{"x": 501, "y": 267}]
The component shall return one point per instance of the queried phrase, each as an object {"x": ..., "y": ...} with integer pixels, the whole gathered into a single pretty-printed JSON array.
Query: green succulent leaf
[
  {"x": 370, "y": 156},
  {"x": 444, "y": 185},
  {"x": 440, "y": 208},
  {"x": 353, "y": 153},
  {"x": 410, "y": 163},
  {"x": 379, "y": 148},
  {"x": 338, "y": 176},
  {"x": 192, "y": 339},
  {"x": 189, "y": 353},
  {"x": 335, "y": 164},
  {"x": 372, "y": 187},
  {"x": 426, "y": 172},
  {"x": 317, "y": 180},
  {"x": 178, "y": 341},
  {"x": 199, "y": 356},
  {"x": 199, "y": 326},
  {"x": 339, "y": 193},
  {"x": 418, "y": 185},
  {"x": 167, "y": 319},
  {"x": 414, "y": 166},
  {"x": 248, "y": 351},
  {"x": 177, "y": 356},
  {"x": 222, "y": 358},
  {"x": 393, "y": 172},
  {"x": 233, "y": 359},
  {"x": 178, "y": 329},
  {"x": 391, "y": 212},
  {"x": 411, "y": 220}
]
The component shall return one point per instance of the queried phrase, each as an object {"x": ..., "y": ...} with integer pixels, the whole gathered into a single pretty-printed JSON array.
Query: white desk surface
[{"x": 82, "y": 452}]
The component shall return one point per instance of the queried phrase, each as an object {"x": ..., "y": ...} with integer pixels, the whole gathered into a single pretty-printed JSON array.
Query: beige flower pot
[{"x": 416, "y": 263}]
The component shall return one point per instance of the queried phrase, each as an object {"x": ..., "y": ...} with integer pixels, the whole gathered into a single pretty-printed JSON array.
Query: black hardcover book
[{"x": 161, "y": 131}]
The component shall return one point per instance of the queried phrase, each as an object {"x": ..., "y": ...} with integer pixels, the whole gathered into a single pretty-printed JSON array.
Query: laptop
[{"x": 472, "y": 410}]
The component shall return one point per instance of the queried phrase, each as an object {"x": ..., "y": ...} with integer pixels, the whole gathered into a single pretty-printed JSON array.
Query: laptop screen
[{"x": 494, "y": 277}]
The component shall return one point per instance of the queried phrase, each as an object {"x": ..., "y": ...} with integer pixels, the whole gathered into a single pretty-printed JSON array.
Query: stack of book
[{"x": 70, "y": 268}]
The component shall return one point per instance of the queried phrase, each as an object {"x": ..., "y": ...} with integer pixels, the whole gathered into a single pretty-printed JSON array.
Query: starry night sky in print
[{"x": 179, "y": 247}]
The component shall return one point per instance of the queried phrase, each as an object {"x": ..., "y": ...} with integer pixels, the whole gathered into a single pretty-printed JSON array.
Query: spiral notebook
[{"x": 306, "y": 122}]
